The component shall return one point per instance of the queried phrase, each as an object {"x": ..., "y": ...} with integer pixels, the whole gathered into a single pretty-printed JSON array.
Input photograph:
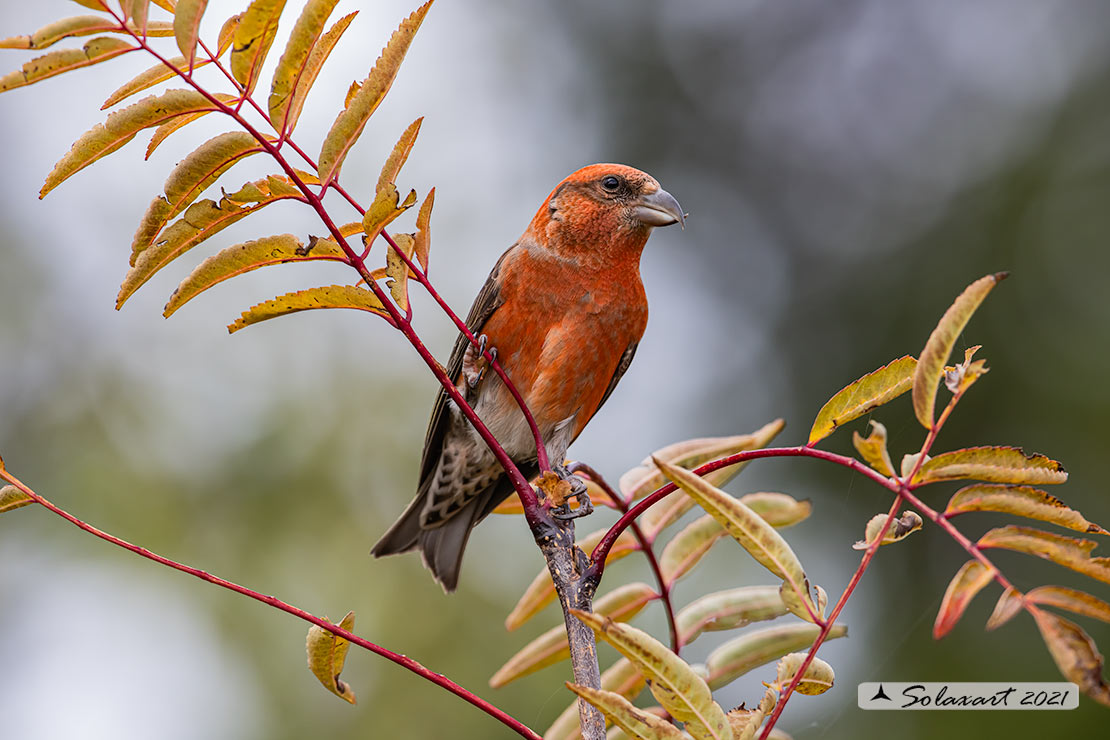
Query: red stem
[{"x": 401, "y": 660}]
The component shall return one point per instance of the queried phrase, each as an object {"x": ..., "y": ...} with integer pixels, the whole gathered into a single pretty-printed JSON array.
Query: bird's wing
[
  {"x": 488, "y": 300},
  {"x": 622, "y": 366}
]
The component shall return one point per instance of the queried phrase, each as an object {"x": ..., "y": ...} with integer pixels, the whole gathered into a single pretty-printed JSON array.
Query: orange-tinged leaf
[
  {"x": 968, "y": 581},
  {"x": 241, "y": 258},
  {"x": 135, "y": 10},
  {"x": 253, "y": 38},
  {"x": 397, "y": 272},
  {"x": 900, "y": 528},
  {"x": 541, "y": 591},
  {"x": 930, "y": 368},
  {"x": 121, "y": 127},
  {"x": 400, "y": 154},
  {"x": 92, "y": 4},
  {"x": 759, "y": 647},
  {"x": 873, "y": 449},
  {"x": 172, "y": 125},
  {"x": 352, "y": 119},
  {"x": 305, "y": 35},
  {"x": 1009, "y": 604},
  {"x": 186, "y": 27},
  {"x": 817, "y": 678},
  {"x": 82, "y": 25},
  {"x": 98, "y": 50},
  {"x": 620, "y": 604},
  {"x": 151, "y": 77},
  {"x": 726, "y": 610},
  {"x": 777, "y": 509},
  {"x": 332, "y": 296},
  {"x": 1075, "y": 653},
  {"x": 867, "y": 393},
  {"x": 627, "y": 716},
  {"x": 993, "y": 464},
  {"x": 385, "y": 208},
  {"x": 1071, "y": 599},
  {"x": 749, "y": 529},
  {"x": 167, "y": 5},
  {"x": 13, "y": 498},
  {"x": 1066, "y": 551},
  {"x": 676, "y": 686},
  {"x": 326, "y": 654},
  {"x": 1025, "y": 501},
  {"x": 424, "y": 233},
  {"x": 688, "y": 547},
  {"x": 320, "y": 52}
]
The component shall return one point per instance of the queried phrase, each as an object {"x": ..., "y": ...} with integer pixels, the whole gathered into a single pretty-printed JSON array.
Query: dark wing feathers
[{"x": 622, "y": 367}]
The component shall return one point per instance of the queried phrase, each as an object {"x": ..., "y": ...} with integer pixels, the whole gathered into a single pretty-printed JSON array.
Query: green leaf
[
  {"x": 777, "y": 509},
  {"x": 422, "y": 247},
  {"x": 867, "y": 393},
  {"x": 400, "y": 154},
  {"x": 1075, "y": 653},
  {"x": 1066, "y": 551},
  {"x": 333, "y": 296},
  {"x": 311, "y": 70},
  {"x": 817, "y": 678},
  {"x": 352, "y": 119},
  {"x": 994, "y": 464},
  {"x": 930, "y": 368},
  {"x": 98, "y": 50},
  {"x": 621, "y": 678},
  {"x": 81, "y": 25},
  {"x": 688, "y": 547},
  {"x": 13, "y": 498},
  {"x": 541, "y": 591},
  {"x": 753, "y": 649},
  {"x": 1032, "y": 503},
  {"x": 1071, "y": 599},
  {"x": 186, "y": 27},
  {"x": 624, "y": 714},
  {"x": 673, "y": 683},
  {"x": 726, "y": 610},
  {"x": 745, "y": 526},
  {"x": 621, "y": 604},
  {"x": 253, "y": 38},
  {"x": 326, "y": 654},
  {"x": 899, "y": 529},
  {"x": 306, "y": 33},
  {"x": 241, "y": 258},
  {"x": 873, "y": 449},
  {"x": 968, "y": 581},
  {"x": 121, "y": 127},
  {"x": 1009, "y": 604}
]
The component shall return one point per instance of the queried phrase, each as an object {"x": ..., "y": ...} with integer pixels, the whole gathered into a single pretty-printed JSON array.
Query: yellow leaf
[
  {"x": 82, "y": 25},
  {"x": 626, "y": 715},
  {"x": 397, "y": 272},
  {"x": 333, "y": 296},
  {"x": 352, "y": 119},
  {"x": 749, "y": 529},
  {"x": 13, "y": 498},
  {"x": 400, "y": 154},
  {"x": 930, "y": 368},
  {"x": 755, "y": 648},
  {"x": 676, "y": 686},
  {"x": 253, "y": 38},
  {"x": 186, "y": 27},
  {"x": 383, "y": 211},
  {"x": 867, "y": 393},
  {"x": 873, "y": 449},
  {"x": 423, "y": 244},
  {"x": 899, "y": 529},
  {"x": 746, "y": 722},
  {"x": 620, "y": 604},
  {"x": 726, "y": 610},
  {"x": 541, "y": 591},
  {"x": 241, "y": 258},
  {"x": 1009, "y": 604},
  {"x": 1066, "y": 551},
  {"x": 817, "y": 679},
  {"x": 305, "y": 35},
  {"x": 1075, "y": 653},
  {"x": 994, "y": 464},
  {"x": 151, "y": 77},
  {"x": 121, "y": 127},
  {"x": 621, "y": 678},
  {"x": 136, "y": 11},
  {"x": 777, "y": 509},
  {"x": 167, "y": 5},
  {"x": 174, "y": 124},
  {"x": 92, "y": 4},
  {"x": 311, "y": 70},
  {"x": 968, "y": 581},
  {"x": 98, "y": 50},
  {"x": 326, "y": 654},
  {"x": 1071, "y": 599},
  {"x": 1032, "y": 503}
]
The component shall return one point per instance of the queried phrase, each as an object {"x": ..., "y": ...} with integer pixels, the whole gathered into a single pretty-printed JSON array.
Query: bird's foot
[
  {"x": 578, "y": 491},
  {"x": 475, "y": 364}
]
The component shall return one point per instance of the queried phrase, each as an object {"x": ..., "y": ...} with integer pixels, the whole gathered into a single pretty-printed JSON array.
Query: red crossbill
[{"x": 564, "y": 308}]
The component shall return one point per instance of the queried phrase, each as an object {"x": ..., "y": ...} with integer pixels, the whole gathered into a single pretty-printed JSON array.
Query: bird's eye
[{"x": 611, "y": 183}]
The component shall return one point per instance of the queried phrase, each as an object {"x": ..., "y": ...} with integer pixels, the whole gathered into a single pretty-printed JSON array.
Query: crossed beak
[{"x": 659, "y": 209}]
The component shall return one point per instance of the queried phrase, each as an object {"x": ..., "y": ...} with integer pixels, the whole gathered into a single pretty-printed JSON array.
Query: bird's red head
[{"x": 603, "y": 208}]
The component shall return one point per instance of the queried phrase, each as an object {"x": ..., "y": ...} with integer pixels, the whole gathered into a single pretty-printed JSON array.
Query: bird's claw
[
  {"x": 578, "y": 491},
  {"x": 475, "y": 364}
]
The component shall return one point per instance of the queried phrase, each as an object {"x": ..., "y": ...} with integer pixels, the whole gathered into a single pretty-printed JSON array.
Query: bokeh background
[{"x": 848, "y": 168}]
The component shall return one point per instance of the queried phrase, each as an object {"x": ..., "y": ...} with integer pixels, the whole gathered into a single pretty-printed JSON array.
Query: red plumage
[{"x": 565, "y": 308}]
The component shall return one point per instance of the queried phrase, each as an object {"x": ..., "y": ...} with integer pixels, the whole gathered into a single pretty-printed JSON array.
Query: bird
[{"x": 562, "y": 312}]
